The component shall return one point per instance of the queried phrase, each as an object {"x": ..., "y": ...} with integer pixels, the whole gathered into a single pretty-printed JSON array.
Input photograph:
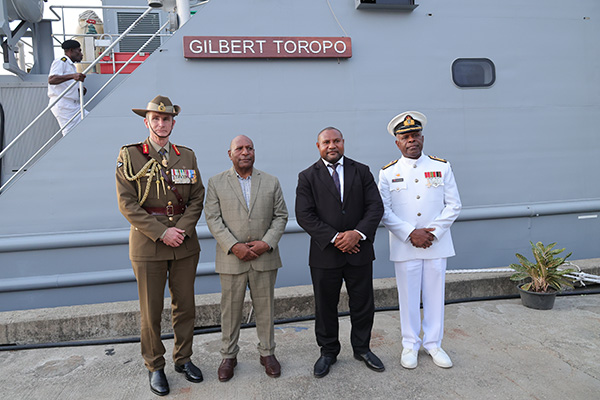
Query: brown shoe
[
  {"x": 226, "y": 369},
  {"x": 272, "y": 367}
]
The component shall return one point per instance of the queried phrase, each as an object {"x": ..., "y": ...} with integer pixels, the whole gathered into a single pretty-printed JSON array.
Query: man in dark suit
[{"x": 339, "y": 206}]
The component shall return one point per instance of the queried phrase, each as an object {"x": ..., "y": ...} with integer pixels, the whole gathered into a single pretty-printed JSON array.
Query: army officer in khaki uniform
[{"x": 161, "y": 194}]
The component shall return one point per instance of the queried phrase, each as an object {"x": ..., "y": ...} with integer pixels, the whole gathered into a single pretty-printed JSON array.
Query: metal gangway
[{"x": 173, "y": 22}]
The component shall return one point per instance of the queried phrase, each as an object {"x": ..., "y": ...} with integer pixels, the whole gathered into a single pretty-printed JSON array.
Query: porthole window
[{"x": 473, "y": 72}]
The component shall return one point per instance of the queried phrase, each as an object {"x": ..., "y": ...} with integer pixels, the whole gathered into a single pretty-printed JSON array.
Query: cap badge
[
  {"x": 408, "y": 121},
  {"x": 161, "y": 106}
]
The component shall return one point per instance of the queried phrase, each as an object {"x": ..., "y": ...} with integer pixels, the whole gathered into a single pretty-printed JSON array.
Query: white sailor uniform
[
  {"x": 68, "y": 105},
  {"x": 420, "y": 193}
]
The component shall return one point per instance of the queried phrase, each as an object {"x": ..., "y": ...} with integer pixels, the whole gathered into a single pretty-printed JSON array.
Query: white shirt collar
[
  {"x": 412, "y": 161},
  {"x": 327, "y": 163}
]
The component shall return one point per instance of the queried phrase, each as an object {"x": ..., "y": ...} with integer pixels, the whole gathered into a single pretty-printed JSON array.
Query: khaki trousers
[
  {"x": 233, "y": 290},
  {"x": 151, "y": 278}
]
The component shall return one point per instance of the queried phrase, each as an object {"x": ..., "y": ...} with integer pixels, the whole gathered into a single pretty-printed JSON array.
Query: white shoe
[
  {"x": 440, "y": 358},
  {"x": 409, "y": 358}
]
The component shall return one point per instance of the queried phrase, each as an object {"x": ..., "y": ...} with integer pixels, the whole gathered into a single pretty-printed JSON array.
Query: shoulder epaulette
[
  {"x": 389, "y": 164},
  {"x": 63, "y": 59},
  {"x": 181, "y": 147},
  {"x": 438, "y": 159},
  {"x": 131, "y": 145}
]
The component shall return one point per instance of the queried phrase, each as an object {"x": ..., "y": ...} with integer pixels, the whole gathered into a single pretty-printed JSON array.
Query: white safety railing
[
  {"x": 80, "y": 114},
  {"x": 578, "y": 276},
  {"x": 183, "y": 13}
]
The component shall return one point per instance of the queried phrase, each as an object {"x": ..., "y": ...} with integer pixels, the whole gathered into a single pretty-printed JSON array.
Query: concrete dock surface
[{"x": 500, "y": 350}]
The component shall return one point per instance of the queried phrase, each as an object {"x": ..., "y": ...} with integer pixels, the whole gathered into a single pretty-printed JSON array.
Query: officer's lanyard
[{"x": 164, "y": 175}]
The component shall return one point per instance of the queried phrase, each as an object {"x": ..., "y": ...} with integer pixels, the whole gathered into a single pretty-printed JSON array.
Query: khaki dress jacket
[{"x": 146, "y": 229}]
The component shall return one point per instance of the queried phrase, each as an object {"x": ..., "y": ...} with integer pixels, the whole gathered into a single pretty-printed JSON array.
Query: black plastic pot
[{"x": 539, "y": 301}]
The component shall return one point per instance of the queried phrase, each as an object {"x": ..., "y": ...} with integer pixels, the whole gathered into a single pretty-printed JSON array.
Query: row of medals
[{"x": 434, "y": 178}]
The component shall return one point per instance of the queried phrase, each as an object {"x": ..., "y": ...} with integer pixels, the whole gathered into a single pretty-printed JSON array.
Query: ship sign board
[{"x": 266, "y": 47}]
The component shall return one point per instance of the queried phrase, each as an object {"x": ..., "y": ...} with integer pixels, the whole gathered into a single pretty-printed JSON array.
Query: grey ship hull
[{"x": 524, "y": 151}]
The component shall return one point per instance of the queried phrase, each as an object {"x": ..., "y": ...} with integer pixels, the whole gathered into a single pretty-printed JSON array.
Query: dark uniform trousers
[{"x": 151, "y": 277}]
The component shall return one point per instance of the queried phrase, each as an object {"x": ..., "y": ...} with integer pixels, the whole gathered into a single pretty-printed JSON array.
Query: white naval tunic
[
  {"x": 420, "y": 193},
  {"x": 412, "y": 200},
  {"x": 68, "y": 105}
]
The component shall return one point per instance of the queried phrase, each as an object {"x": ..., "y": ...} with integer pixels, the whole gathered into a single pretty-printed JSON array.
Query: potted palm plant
[{"x": 546, "y": 279}]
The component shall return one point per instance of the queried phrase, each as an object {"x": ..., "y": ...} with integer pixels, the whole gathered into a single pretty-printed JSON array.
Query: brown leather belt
[{"x": 169, "y": 211}]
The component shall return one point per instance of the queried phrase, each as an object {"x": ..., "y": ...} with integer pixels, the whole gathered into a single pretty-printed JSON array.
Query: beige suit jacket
[{"x": 230, "y": 221}]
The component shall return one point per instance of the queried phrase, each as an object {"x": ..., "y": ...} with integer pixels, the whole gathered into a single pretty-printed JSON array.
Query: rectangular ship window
[{"x": 473, "y": 72}]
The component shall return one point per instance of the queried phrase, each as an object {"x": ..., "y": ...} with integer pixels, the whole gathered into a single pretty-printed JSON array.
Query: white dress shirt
[
  {"x": 63, "y": 66},
  {"x": 340, "y": 171}
]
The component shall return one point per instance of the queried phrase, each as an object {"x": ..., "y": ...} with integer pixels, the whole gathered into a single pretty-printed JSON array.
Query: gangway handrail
[
  {"x": 109, "y": 34},
  {"x": 82, "y": 105},
  {"x": 117, "y": 72},
  {"x": 26, "y": 164},
  {"x": 127, "y": 63},
  {"x": 3, "y": 152},
  {"x": 16, "y": 139},
  {"x": 62, "y": 8},
  {"x": 92, "y": 65}
]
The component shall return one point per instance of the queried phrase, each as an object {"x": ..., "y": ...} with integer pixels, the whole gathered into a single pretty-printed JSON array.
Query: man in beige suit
[
  {"x": 160, "y": 193},
  {"x": 246, "y": 213}
]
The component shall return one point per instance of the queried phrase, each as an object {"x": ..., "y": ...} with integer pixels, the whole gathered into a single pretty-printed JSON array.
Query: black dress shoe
[
  {"x": 371, "y": 360},
  {"x": 192, "y": 373},
  {"x": 322, "y": 365},
  {"x": 158, "y": 382}
]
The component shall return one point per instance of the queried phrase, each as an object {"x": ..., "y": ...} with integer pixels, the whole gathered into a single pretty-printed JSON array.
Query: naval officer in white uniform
[
  {"x": 62, "y": 74},
  {"x": 421, "y": 202}
]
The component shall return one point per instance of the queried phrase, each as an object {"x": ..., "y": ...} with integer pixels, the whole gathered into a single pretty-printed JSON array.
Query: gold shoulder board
[
  {"x": 390, "y": 164},
  {"x": 438, "y": 159}
]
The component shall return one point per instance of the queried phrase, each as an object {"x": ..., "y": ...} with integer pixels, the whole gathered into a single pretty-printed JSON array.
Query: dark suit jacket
[{"x": 321, "y": 214}]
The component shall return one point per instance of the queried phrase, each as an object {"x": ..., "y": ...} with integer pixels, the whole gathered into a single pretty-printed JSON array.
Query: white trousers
[
  {"x": 413, "y": 279},
  {"x": 64, "y": 110}
]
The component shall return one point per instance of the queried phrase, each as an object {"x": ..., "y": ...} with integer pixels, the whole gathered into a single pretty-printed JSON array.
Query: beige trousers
[{"x": 233, "y": 290}]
